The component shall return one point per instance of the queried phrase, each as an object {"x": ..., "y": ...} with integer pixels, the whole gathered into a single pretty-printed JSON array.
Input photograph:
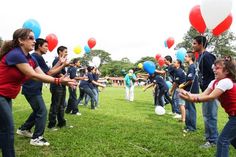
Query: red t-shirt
[{"x": 11, "y": 78}]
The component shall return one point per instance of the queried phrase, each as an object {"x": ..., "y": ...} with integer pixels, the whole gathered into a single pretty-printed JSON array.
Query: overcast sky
[{"x": 123, "y": 28}]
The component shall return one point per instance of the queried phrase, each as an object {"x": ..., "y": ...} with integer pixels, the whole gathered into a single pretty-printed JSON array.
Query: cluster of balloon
[
  {"x": 160, "y": 60},
  {"x": 34, "y": 26},
  {"x": 169, "y": 42},
  {"x": 52, "y": 41},
  {"x": 215, "y": 15},
  {"x": 180, "y": 54},
  {"x": 77, "y": 49},
  {"x": 149, "y": 67}
]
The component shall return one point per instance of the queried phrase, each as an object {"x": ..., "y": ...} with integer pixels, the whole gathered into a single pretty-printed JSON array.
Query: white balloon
[
  {"x": 96, "y": 61},
  {"x": 215, "y": 11},
  {"x": 159, "y": 110}
]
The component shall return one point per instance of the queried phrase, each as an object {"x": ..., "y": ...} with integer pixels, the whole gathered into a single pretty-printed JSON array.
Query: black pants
[
  {"x": 72, "y": 102},
  {"x": 57, "y": 106}
]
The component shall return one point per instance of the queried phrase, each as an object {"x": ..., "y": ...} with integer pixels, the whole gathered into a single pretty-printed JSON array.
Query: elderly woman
[{"x": 130, "y": 79}]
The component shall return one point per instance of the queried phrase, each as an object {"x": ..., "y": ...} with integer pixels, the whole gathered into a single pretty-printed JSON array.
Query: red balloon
[
  {"x": 196, "y": 55},
  {"x": 223, "y": 26},
  {"x": 91, "y": 43},
  {"x": 157, "y": 56},
  {"x": 161, "y": 61},
  {"x": 52, "y": 41},
  {"x": 170, "y": 42},
  {"x": 196, "y": 20}
]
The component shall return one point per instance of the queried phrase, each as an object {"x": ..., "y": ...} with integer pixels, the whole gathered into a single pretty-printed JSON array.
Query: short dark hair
[
  {"x": 61, "y": 48},
  {"x": 169, "y": 58},
  {"x": 191, "y": 55},
  {"x": 201, "y": 40},
  {"x": 90, "y": 68},
  {"x": 39, "y": 42}
]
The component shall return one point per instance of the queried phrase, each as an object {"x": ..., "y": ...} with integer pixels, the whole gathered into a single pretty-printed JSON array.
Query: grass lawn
[{"x": 118, "y": 128}]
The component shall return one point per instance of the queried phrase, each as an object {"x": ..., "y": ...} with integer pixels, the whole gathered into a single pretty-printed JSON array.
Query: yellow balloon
[
  {"x": 140, "y": 65},
  {"x": 77, "y": 50}
]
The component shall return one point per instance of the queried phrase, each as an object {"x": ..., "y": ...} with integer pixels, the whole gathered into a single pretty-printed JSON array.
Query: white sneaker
[
  {"x": 25, "y": 133},
  {"x": 78, "y": 114},
  {"x": 177, "y": 116},
  {"x": 40, "y": 141}
]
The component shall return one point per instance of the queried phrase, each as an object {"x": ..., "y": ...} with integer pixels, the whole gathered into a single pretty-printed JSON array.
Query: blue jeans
[
  {"x": 227, "y": 134},
  {"x": 6, "y": 128},
  {"x": 89, "y": 92},
  {"x": 95, "y": 92},
  {"x": 38, "y": 117},
  {"x": 175, "y": 102},
  {"x": 209, "y": 111},
  {"x": 191, "y": 116}
]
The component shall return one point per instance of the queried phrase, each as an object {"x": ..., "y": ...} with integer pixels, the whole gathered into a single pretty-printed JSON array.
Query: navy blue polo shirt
[
  {"x": 57, "y": 75},
  {"x": 160, "y": 82},
  {"x": 179, "y": 76},
  {"x": 191, "y": 76},
  {"x": 32, "y": 87},
  {"x": 205, "y": 62},
  {"x": 72, "y": 70},
  {"x": 90, "y": 79}
]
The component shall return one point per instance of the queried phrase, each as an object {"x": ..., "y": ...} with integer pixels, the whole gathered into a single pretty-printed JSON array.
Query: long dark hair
[{"x": 21, "y": 33}]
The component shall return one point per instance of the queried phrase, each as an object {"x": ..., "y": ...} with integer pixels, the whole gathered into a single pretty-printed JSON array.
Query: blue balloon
[
  {"x": 180, "y": 54},
  {"x": 87, "y": 49},
  {"x": 165, "y": 43},
  {"x": 149, "y": 67},
  {"x": 34, "y": 26},
  {"x": 169, "y": 84}
]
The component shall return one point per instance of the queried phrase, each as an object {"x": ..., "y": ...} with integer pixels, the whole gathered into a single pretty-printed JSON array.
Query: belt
[{"x": 232, "y": 113}]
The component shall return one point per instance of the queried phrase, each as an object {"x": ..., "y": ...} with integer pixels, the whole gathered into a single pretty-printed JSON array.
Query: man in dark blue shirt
[{"x": 206, "y": 75}]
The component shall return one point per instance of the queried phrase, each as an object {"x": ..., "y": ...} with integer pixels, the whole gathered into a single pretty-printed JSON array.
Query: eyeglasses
[
  {"x": 31, "y": 38},
  {"x": 214, "y": 67}
]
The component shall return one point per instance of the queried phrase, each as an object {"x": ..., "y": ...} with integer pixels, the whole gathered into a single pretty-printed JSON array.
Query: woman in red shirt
[
  {"x": 223, "y": 88},
  {"x": 17, "y": 66}
]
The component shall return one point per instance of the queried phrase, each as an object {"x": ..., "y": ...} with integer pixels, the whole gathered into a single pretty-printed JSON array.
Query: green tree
[
  {"x": 116, "y": 68},
  {"x": 223, "y": 43},
  {"x": 104, "y": 56}
]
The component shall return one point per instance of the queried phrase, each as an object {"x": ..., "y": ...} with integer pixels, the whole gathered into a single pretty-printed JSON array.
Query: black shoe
[{"x": 61, "y": 124}]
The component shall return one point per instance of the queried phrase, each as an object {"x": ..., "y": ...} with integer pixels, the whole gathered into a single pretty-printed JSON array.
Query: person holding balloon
[
  {"x": 223, "y": 88},
  {"x": 130, "y": 79},
  {"x": 205, "y": 76},
  {"x": 32, "y": 90},
  {"x": 17, "y": 66}
]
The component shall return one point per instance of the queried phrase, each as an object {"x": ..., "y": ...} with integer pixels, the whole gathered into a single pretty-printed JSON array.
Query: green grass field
[{"x": 117, "y": 129}]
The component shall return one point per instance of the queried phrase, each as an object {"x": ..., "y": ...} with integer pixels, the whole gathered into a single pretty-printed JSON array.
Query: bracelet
[{"x": 59, "y": 81}]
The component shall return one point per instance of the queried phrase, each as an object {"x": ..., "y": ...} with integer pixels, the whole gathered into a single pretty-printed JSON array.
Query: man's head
[
  {"x": 62, "y": 51},
  {"x": 168, "y": 60},
  {"x": 199, "y": 43},
  {"x": 41, "y": 45}
]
